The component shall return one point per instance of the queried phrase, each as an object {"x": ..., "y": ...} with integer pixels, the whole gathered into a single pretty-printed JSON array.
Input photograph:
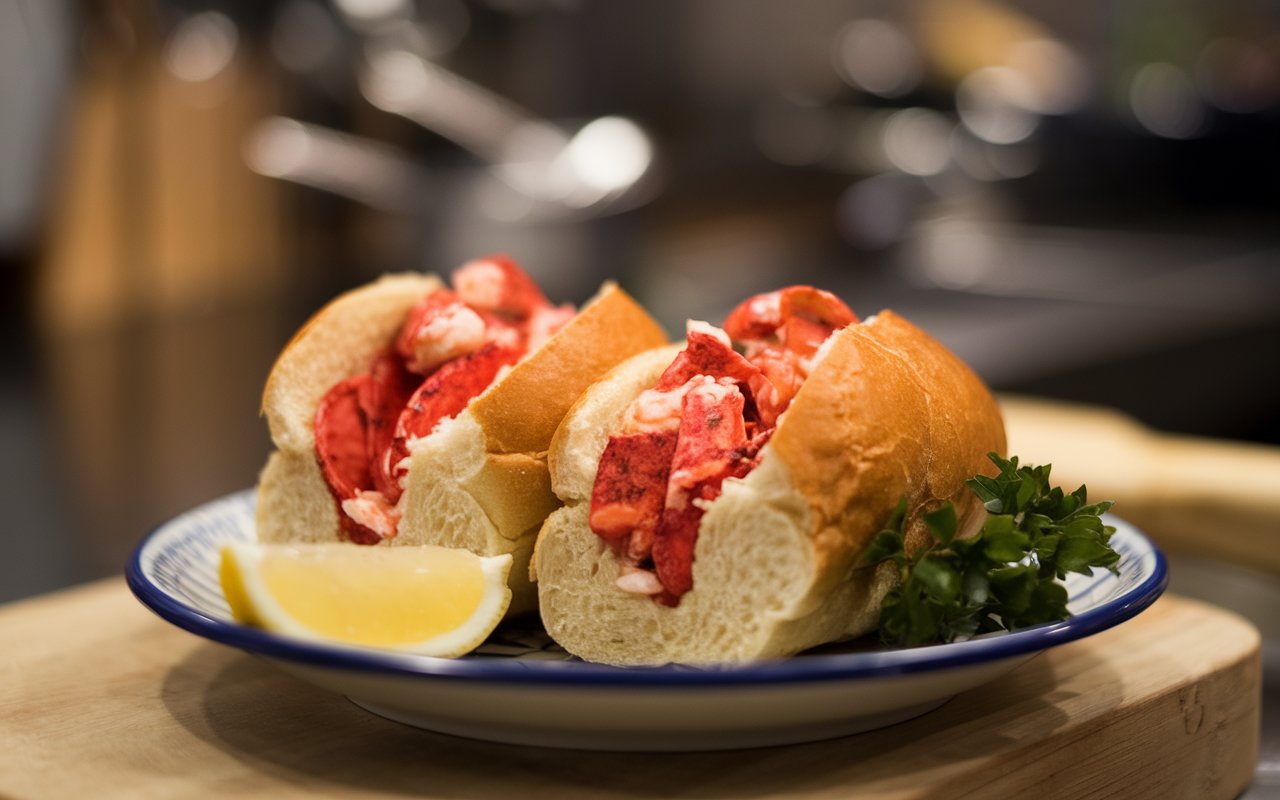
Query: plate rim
[{"x": 810, "y": 668}]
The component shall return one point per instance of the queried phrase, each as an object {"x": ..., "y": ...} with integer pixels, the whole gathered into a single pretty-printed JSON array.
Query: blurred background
[{"x": 1082, "y": 199}]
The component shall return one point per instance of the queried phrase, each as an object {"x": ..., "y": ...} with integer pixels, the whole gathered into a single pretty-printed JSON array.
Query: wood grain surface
[
  {"x": 99, "y": 698},
  {"x": 1201, "y": 497}
]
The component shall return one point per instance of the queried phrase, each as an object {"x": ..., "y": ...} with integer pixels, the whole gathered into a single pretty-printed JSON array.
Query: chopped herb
[{"x": 1007, "y": 576}]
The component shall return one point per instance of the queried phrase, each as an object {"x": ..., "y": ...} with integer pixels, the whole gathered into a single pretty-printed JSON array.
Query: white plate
[{"x": 521, "y": 688}]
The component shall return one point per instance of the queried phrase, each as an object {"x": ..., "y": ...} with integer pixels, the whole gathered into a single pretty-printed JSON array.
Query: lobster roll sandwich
[
  {"x": 719, "y": 497},
  {"x": 407, "y": 412}
]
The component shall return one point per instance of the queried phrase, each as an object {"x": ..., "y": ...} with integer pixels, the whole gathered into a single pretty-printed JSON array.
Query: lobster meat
[
  {"x": 706, "y": 420},
  {"x": 451, "y": 347}
]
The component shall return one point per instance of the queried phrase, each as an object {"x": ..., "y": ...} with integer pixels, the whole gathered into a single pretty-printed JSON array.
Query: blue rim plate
[
  {"x": 173, "y": 571},
  {"x": 520, "y": 688}
]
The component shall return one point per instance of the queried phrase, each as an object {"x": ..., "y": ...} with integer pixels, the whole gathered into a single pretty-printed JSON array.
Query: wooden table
[{"x": 99, "y": 698}]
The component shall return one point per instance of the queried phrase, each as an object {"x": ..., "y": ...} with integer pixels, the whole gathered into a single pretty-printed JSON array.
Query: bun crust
[
  {"x": 338, "y": 341},
  {"x": 520, "y": 412},
  {"x": 479, "y": 481},
  {"x": 888, "y": 412}
]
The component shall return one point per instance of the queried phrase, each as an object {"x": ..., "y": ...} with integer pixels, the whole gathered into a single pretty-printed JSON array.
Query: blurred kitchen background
[{"x": 1082, "y": 199}]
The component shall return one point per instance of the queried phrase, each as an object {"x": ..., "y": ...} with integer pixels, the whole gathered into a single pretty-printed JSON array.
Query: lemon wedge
[{"x": 429, "y": 600}]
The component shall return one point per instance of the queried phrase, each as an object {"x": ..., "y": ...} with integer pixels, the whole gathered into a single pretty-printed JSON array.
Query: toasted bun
[
  {"x": 887, "y": 413},
  {"x": 480, "y": 480}
]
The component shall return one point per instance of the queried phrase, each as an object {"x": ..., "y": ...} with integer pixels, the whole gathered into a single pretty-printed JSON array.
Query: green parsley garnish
[{"x": 1006, "y": 577}]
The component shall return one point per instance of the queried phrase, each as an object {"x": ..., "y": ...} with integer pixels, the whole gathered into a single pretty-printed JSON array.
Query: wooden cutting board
[
  {"x": 1175, "y": 488},
  {"x": 99, "y": 698}
]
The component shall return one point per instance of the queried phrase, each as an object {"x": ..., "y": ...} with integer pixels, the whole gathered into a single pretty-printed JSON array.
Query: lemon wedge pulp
[{"x": 430, "y": 600}]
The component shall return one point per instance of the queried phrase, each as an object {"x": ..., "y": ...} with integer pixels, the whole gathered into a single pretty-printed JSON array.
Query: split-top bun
[
  {"x": 886, "y": 413},
  {"x": 479, "y": 480}
]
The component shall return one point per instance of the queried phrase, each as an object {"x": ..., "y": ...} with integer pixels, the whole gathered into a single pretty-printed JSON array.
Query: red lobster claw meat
[
  {"x": 761, "y": 317},
  {"x": 444, "y": 395},
  {"x": 342, "y": 450},
  {"x": 382, "y": 397},
  {"x": 495, "y": 284}
]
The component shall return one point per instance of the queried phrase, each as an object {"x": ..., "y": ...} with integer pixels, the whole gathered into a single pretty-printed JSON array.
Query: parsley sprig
[{"x": 1006, "y": 577}]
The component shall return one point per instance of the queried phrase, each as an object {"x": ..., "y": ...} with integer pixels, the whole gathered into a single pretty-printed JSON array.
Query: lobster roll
[
  {"x": 718, "y": 497},
  {"x": 411, "y": 412}
]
